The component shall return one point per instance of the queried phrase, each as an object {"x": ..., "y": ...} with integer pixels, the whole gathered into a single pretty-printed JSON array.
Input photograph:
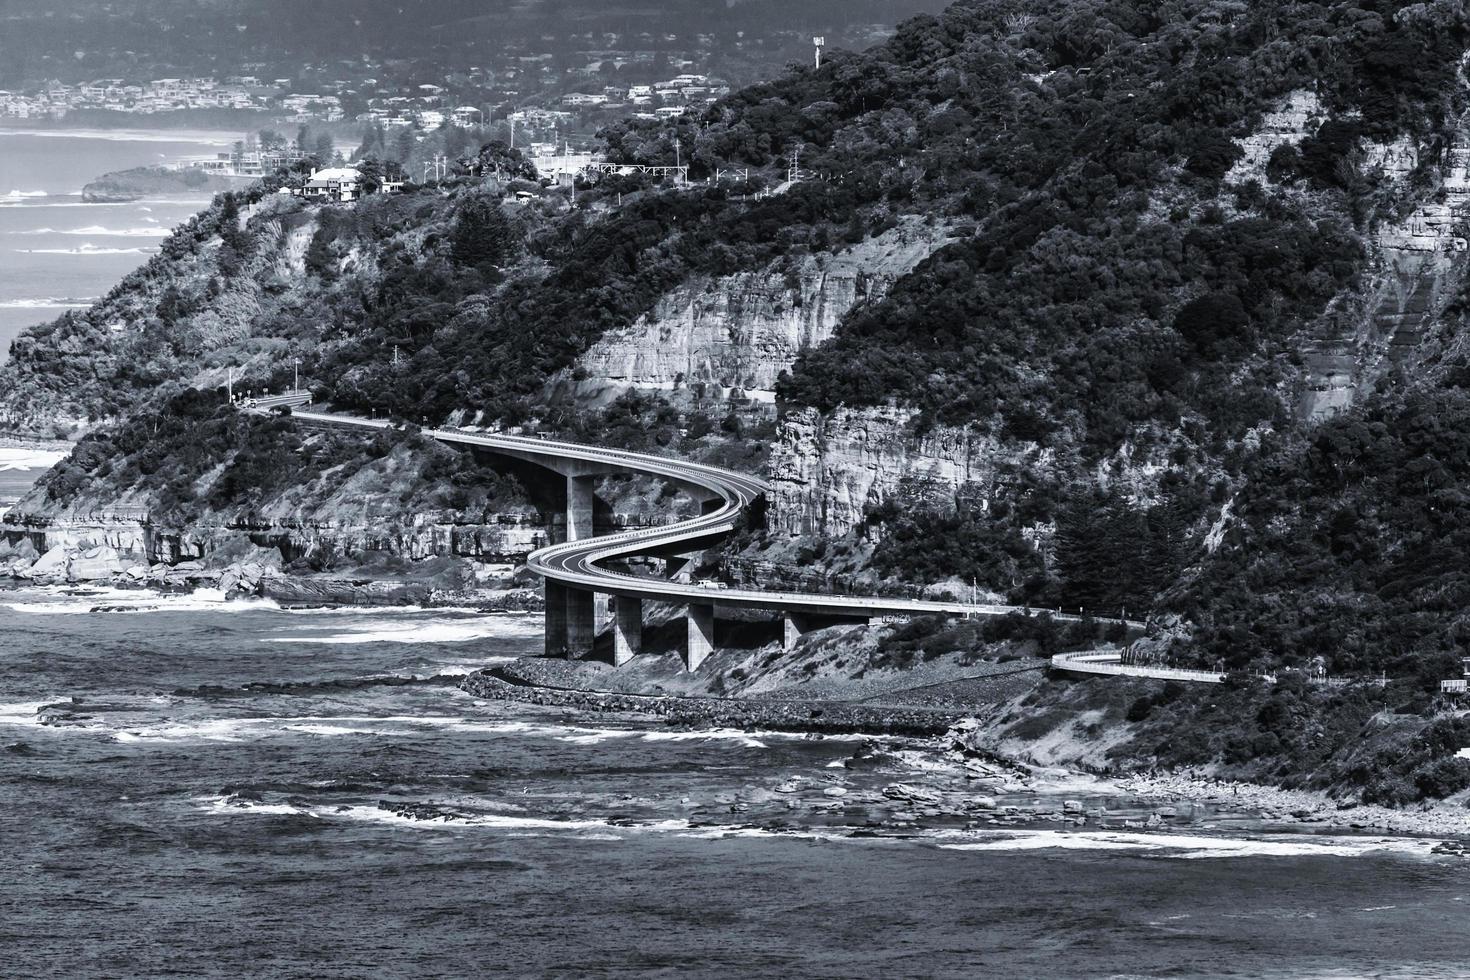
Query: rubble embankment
[{"x": 508, "y": 683}]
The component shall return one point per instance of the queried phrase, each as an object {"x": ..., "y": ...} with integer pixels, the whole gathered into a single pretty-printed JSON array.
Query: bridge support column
[
  {"x": 793, "y": 625},
  {"x": 579, "y": 507},
  {"x": 581, "y": 620},
  {"x": 556, "y": 618},
  {"x": 627, "y": 628},
  {"x": 701, "y": 620}
]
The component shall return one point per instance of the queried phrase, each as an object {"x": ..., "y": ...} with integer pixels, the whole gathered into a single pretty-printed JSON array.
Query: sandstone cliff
[
  {"x": 826, "y": 472},
  {"x": 1417, "y": 252},
  {"x": 741, "y": 331}
]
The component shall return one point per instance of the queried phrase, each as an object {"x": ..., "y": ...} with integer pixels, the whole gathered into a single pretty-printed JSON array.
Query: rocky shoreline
[
  {"x": 950, "y": 747},
  {"x": 1303, "y": 807},
  {"x": 822, "y": 717}
]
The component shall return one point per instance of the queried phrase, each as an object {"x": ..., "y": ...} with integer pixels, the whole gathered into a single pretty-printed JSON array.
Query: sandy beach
[{"x": 29, "y": 458}]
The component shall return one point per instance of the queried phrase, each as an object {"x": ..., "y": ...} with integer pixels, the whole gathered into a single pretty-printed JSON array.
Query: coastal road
[{"x": 579, "y": 563}]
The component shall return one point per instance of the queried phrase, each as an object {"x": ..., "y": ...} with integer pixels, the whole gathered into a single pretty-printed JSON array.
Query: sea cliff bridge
[{"x": 575, "y": 570}]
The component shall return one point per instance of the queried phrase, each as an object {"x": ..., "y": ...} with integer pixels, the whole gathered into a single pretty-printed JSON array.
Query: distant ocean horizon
[{"x": 58, "y": 252}]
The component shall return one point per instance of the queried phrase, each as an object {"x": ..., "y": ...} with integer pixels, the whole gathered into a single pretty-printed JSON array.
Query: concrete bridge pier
[
  {"x": 579, "y": 606},
  {"x": 795, "y": 624},
  {"x": 581, "y": 620},
  {"x": 556, "y": 618},
  {"x": 627, "y": 628},
  {"x": 701, "y": 643},
  {"x": 579, "y": 506}
]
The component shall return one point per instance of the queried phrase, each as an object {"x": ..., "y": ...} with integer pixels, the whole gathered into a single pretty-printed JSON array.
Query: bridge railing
[{"x": 1111, "y": 662}]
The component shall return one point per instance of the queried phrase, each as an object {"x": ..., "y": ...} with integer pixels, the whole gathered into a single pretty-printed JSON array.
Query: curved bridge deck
[{"x": 574, "y": 570}]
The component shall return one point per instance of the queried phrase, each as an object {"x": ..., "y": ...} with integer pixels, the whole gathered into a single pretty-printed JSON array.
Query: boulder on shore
[
  {"x": 50, "y": 567},
  {"x": 95, "y": 565}
]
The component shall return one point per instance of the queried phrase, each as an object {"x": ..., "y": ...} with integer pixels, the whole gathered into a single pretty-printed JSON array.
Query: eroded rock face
[
  {"x": 1416, "y": 262},
  {"x": 1296, "y": 117},
  {"x": 98, "y": 550},
  {"x": 826, "y": 472},
  {"x": 742, "y": 331}
]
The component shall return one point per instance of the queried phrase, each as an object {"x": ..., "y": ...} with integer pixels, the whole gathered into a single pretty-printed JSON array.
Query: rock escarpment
[
  {"x": 1417, "y": 254},
  {"x": 742, "y": 331},
  {"x": 826, "y": 472},
  {"x": 125, "y": 544}
]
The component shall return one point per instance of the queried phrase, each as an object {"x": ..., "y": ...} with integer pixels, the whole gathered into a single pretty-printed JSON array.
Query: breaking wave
[
  {"x": 1192, "y": 846},
  {"x": 87, "y": 249},
  {"x": 48, "y": 303},
  {"x": 432, "y": 816},
  {"x": 99, "y": 230},
  {"x": 206, "y": 137},
  {"x": 123, "y": 601},
  {"x": 437, "y": 630}
]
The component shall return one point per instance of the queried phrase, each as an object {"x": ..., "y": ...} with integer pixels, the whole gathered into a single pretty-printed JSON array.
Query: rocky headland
[{"x": 123, "y": 186}]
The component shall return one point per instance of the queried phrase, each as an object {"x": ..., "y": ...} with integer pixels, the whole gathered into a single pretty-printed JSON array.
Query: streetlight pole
[{"x": 296, "y": 363}]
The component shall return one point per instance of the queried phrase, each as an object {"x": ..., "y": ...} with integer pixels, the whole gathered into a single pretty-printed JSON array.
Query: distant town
[{"x": 575, "y": 84}]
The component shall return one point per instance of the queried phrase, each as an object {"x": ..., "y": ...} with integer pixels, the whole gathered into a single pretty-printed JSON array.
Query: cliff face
[
  {"x": 501, "y": 538},
  {"x": 1417, "y": 255},
  {"x": 742, "y": 331},
  {"x": 826, "y": 471}
]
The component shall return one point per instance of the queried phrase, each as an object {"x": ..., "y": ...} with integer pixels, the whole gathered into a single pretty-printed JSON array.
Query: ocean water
[
  {"x": 58, "y": 251},
  {"x": 200, "y": 788}
]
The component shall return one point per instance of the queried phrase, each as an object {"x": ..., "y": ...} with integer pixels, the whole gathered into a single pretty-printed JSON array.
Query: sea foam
[
  {"x": 156, "y": 231},
  {"x": 87, "y": 249},
  {"x": 48, "y": 303},
  {"x": 1192, "y": 846}
]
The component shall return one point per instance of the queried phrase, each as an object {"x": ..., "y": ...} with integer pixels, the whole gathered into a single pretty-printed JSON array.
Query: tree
[
  {"x": 370, "y": 176},
  {"x": 1213, "y": 155},
  {"x": 324, "y": 148},
  {"x": 403, "y": 146},
  {"x": 482, "y": 236},
  {"x": 1215, "y": 323}
]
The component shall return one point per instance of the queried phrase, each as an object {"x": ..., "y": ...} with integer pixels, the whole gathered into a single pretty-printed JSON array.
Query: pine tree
[{"x": 482, "y": 234}]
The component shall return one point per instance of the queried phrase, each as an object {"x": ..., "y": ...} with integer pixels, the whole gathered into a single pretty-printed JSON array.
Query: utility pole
[
  {"x": 395, "y": 355},
  {"x": 230, "y": 383},
  {"x": 296, "y": 364}
]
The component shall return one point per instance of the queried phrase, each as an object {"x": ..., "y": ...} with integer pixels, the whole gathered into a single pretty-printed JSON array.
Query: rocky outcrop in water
[{"x": 131, "y": 185}]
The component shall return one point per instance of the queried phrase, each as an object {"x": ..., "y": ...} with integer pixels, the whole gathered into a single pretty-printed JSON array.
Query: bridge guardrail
[{"x": 1103, "y": 662}]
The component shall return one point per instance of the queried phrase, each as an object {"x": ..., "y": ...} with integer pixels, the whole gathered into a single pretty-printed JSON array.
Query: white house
[{"x": 333, "y": 184}]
